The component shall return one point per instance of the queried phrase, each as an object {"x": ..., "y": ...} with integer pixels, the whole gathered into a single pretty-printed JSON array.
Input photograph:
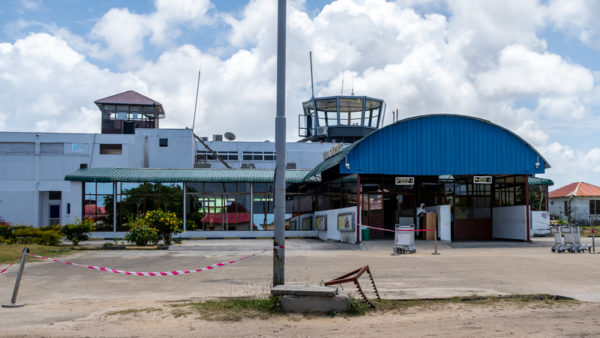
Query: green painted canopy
[
  {"x": 540, "y": 181},
  {"x": 182, "y": 175}
]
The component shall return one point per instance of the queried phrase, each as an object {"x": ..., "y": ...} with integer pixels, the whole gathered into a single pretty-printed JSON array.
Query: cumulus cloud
[
  {"x": 578, "y": 18},
  {"x": 475, "y": 58},
  {"x": 124, "y": 33},
  {"x": 525, "y": 72}
]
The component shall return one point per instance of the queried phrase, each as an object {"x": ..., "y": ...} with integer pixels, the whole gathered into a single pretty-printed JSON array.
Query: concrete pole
[{"x": 279, "y": 239}]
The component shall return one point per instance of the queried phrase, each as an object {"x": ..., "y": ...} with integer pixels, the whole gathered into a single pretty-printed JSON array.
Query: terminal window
[{"x": 111, "y": 149}]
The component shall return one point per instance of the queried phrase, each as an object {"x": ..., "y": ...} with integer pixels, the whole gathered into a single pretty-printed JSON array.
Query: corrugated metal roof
[
  {"x": 182, "y": 175},
  {"x": 439, "y": 145},
  {"x": 579, "y": 189},
  {"x": 540, "y": 181}
]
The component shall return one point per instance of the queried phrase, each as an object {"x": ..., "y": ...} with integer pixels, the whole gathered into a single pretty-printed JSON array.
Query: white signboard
[
  {"x": 482, "y": 179},
  {"x": 405, "y": 180}
]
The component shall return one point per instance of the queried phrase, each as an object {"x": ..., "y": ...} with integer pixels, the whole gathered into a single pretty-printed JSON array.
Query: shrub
[
  {"x": 79, "y": 231},
  {"x": 166, "y": 223},
  {"x": 6, "y": 233},
  {"x": 30, "y": 235},
  {"x": 140, "y": 233}
]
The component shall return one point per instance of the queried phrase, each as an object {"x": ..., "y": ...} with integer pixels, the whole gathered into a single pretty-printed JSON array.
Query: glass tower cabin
[{"x": 342, "y": 119}]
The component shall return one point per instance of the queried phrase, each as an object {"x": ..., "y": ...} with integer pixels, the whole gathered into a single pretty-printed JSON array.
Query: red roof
[
  {"x": 128, "y": 97},
  {"x": 580, "y": 189}
]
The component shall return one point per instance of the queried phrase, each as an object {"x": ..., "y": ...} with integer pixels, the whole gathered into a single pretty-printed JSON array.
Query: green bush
[
  {"x": 141, "y": 234},
  {"x": 29, "y": 235},
  {"x": 6, "y": 233},
  {"x": 166, "y": 223},
  {"x": 78, "y": 231}
]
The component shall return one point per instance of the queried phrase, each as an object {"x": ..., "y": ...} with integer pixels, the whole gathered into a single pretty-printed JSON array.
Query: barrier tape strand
[
  {"x": 6, "y": 268},
  {"x": 154, "y": 274},
  {"x": 390, "y": 230}
]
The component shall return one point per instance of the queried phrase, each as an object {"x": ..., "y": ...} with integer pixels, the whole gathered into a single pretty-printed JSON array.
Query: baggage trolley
[
  {"x": 569, "y": 236},
  {"x": 579, "y": 246},
  {"x": 557, "y": 238},
  {"x": 404, "y": 240}
]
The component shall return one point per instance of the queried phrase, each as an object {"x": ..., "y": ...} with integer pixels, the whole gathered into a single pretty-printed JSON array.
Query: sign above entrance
[
  {"x": 482, "y": 179},
  {"x": 405, "y": 180},
  {"x": 332, "y": 151}
]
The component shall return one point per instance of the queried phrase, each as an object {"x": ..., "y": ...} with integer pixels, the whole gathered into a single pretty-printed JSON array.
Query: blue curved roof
[{"x": 439, "y": 145}]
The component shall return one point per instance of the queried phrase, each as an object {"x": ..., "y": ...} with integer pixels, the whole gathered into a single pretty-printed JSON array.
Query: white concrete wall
[
  {"x": 26, "y": 178},
  {"x": 539, "y": 223},
  {"x": 306, "y": 155},
  {"x": 332, "y": 232},
  {"x": 580, "y": 207},
  {"x": 509, "y": 222}
]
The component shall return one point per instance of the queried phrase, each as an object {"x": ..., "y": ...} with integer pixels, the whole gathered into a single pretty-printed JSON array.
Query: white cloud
[
  {"x": 124, "y": 33},
  {"x": 484, "y": 59},
  {"x": 570, "y": 165},
  {"x": 577, "y": 17},
  {"x": 525, "y": 72}
]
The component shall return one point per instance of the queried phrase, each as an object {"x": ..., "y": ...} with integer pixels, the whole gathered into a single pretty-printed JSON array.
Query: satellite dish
[{"x": 230, "y": 136}]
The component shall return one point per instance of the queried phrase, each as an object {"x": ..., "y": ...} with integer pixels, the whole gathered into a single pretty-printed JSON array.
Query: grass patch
[
  {"x": 252, "y": 308},
  {"x": 231, "y": 309},
  {"x": 12, "y": 252},
  {"x": 132, "y": 311}
]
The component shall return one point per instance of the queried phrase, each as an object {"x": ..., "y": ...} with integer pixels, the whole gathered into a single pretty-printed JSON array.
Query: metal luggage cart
[
  {"x": 557, "y": 238},
  {"x": 569, "y": 237},
  {"x": 404, "y": 239},
  {"x": 579, "y": 246}
]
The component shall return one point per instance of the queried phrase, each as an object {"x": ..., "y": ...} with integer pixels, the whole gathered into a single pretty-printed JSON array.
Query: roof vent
[
  {"x": 290, "y": 165},
  {"x": 218, "y": 138}
]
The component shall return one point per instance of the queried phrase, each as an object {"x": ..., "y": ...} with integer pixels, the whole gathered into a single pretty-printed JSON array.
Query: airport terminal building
[{"x": 348, "y": 170}]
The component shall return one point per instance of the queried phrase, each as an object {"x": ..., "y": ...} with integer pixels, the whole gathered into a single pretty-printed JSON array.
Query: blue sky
[{"x": 530, "y": 66}]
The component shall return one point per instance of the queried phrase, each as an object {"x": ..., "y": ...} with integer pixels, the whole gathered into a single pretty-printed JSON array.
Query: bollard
[
  {"x": 13, "y": 300},
  {"x": 435, "y": 241}
]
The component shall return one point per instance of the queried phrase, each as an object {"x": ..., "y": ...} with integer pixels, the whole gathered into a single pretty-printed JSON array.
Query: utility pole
[{"x": 279, "y": 240}]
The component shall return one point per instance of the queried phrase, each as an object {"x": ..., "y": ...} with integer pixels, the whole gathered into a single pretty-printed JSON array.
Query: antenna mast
[
  {"x": 312, "y": 85},
  {"x": 343, "y": 75},
  {"x": 197, "y": 89}
]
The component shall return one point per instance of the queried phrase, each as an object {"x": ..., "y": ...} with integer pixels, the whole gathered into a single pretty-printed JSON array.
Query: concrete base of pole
[{"x": 11, "y": 305}]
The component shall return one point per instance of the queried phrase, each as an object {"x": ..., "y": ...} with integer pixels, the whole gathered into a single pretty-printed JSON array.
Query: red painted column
[
  {"x": 527, "y": 206},
  {"x": 358, "y": 201}
]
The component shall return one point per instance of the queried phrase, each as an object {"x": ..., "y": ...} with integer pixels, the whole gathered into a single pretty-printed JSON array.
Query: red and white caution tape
[
  {"x": 390, "y": 230},
  {"x": 6, "y": 268},
  {"x": 153, "y": 274}
]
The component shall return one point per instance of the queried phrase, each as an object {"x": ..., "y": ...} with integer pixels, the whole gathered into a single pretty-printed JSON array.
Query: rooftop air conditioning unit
[
  {"x": 322, "y": 131},
  {"x": 248, "y": 166},
  {"x": 204, "y": 138},
  {"x": 290, "y": 165},
  {"x": 218, "y": 138}
]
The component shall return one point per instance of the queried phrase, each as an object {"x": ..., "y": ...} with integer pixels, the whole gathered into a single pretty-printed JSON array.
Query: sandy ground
[{"x": 66, "y": 301}]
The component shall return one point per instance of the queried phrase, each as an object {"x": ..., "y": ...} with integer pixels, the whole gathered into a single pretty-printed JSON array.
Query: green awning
[
  {"x": 540, "y": 181},
  {"x": 330, "y": 162},
  {"x": 183, "y": 175}
]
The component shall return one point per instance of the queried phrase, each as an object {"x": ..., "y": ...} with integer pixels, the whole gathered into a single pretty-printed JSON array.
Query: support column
[
  {"x": 114, "y": 206},
  {"x": 184, "y": 207},
  {"x": 251, "y": 206},
  {"x": 527, "y": 206},
  {"x": 358, "y": 201}
]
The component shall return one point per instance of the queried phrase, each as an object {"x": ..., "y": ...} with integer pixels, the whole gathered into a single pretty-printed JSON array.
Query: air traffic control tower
[{"x": 341, "y": 119}]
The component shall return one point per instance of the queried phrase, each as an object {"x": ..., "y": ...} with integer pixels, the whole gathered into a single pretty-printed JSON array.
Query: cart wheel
[
  {"x": 553, "y": 249},
  {"x": 561, "y": 250},
  {"x": 571, "y": 250}
]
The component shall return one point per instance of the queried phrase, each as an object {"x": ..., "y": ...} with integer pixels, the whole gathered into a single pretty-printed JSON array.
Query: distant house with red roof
[{"x": 578, "y": 201}]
